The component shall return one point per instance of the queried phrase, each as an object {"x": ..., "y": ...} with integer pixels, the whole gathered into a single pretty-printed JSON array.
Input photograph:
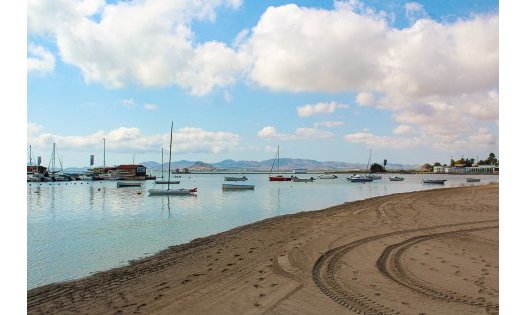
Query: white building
[
  {"x": 438, "y": 169},
  {"x": 479, "y": 169}
]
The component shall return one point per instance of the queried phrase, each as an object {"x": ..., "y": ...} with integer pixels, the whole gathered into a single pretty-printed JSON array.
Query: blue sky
[{"x": 414, "y": 81}]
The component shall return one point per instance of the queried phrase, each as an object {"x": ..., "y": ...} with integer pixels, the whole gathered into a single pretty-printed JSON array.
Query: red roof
[{"x": 128, "y": 166}]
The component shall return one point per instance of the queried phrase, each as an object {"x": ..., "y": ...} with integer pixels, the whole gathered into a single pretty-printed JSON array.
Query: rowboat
[
  {"x": 302, "y": 180},
  {"x": 396, "y": 178},
  {"x": 472, "y": 180},
  {"x": 182, "y": 191},
  {"x": 237, "y": 187},
  {"x": 361, "y": 178},
  {"x": 235, "y": 179},
  {"x": 434, "y": 181},
  {"x": 129, "y": 184}
]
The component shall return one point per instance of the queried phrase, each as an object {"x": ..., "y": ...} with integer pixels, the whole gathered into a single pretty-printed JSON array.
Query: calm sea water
[{"x": 75, "y": 229}]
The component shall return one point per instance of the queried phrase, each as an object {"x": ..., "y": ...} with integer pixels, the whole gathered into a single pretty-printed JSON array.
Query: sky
[{"x": 415, "y": 82}]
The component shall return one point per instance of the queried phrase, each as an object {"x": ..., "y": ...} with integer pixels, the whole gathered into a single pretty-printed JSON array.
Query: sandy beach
[{"x": 427, "y": 252}]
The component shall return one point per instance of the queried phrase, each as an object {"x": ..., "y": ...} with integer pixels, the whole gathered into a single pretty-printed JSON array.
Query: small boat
[
  {"x": 181, "y": 191},
  {"x": 472, "y": 180},
  {"x": 237, "y": 187},
  {"x": 361, "y": 178},
  {"x": 327, "y": 176},
  {"x": 434, "y": 181},
  {"x": 166, "y": 182},
  {"x": 128, "y": 184},
  {"x": 302, "y": 180},
  {"x": 396, "y": 178},
  {"x": 235, "y": 179},
  {"x": 279, "y": 177}
]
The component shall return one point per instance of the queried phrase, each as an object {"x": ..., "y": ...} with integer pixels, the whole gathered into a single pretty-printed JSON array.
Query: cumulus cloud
[
  {"x": 382, "y": 141},
  {"x": 270, "y": 132},
  {"x": 329, "y": 124},
  {"x": 150, "y": 107},
  {"x": 319, "y": 108},
  {"x": 365, "y": 99},
  {"x": 402, "y": 129},
  {"x": 126, "y": 139},
  {"x": 439, "y": 77},
  {"x": 156, "y": 49},
  {"x": 414, "y": 11},
  {"x": 40, "y": 60}
]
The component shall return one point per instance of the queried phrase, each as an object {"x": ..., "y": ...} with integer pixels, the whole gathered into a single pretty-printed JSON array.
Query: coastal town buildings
[{"x": 477, "y": 169}]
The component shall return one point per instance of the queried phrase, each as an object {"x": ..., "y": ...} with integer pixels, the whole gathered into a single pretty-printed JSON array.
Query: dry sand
[{"x": 432, "y": 252}]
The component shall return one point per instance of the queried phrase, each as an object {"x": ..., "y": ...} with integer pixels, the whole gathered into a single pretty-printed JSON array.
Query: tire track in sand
[{"x": 324, "y": 270}]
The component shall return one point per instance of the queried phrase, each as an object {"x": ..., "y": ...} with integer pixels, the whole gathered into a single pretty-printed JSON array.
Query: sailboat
[
  {"x": 54, "y": 175},
  {"x": 168, "y": 191},
  {"x": 278, "y": 177},
  {"x": 162, "y": 181}
]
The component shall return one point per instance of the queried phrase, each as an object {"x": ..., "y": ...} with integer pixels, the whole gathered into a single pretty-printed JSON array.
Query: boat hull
[
  {"x": 279, "y": 179},
  {"x": 434, "y": 181},
  {"x": 473, "y": 180},
  {"x": 172, "y": 192},
  {"x": 327, "y": 176},
  {"x": 166, "y": 182},
  {"x": 129, "y": 184},
  {"x": 236, "y": 179},
  {"x": 396, "y": 179},
  {"x": 237, "y": 187}
]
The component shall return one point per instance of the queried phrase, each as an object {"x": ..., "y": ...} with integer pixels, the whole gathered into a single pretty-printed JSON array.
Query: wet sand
[{"x": 431, "y": 252}]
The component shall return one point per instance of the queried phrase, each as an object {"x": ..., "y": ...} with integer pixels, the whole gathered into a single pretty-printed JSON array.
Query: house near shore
[{"x": 123, "y": 171}]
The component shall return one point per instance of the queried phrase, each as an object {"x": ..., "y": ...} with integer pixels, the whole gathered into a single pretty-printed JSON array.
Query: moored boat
[
  {"x": 237, "y": 187},
  {"x": 278, "y": 177},
  {"x": 128, "y": 184},
  {"x": 182, "y": 191},
  {"x": 472, "y": 180},
  {"x": 302, "y": 180},
  {"x": 359, "y": 178},
  {"x": 434, "y": 181},
  {"x": 396, "y": 178},
  {"x": 327, "y": 176},
  {"x": 235, "y": 179},
  {"x": 166, "y": 182}
]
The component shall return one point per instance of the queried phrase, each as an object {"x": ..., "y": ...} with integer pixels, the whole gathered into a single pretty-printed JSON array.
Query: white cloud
[
  {"x": 414, "y": 11},
  {"x": 365, "y": 99},
  {"x": 402, "y": 129},
  {"x": 329, "y": 124},
  {"x": 319, "y": 108},
  {"x": 372, "y": 140},
  {"x": 40, "y": 60},
  {"x": 150, "y": 107},
  {"x": 271, "y": 132},
  {"x": 125, "y": 139},
  {"x": 128, "y": 102},
  {"x": 157, "y": 49}
]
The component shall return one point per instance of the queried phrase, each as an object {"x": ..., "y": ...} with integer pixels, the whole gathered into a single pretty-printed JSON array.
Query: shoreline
[{"x": 271, "y": 264}]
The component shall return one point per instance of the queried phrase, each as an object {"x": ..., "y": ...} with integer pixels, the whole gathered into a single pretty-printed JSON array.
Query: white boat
[
  {"x": 235, "y": 179},
  {"x": 327, "y": 176},
  {"x": 299, "y": 171},
  {"x": 129, "y": 184},
  {"x": 237, "y": 187},
  {"x": 360, "y": 178},
  {"x": 168, "y": 191},
  {"x": 434, "y": 181},
  {"x": 396, "y": 178},
  {"x": 302, "y": 180},
  {"x": 472, "y": 180}
]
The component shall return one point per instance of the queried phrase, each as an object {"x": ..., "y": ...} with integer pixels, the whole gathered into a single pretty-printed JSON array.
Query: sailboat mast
[
  {"x": 30, "y": 157},
  {"x": 53, "y": 158},
  {"x": 162, "y": 162},
  {"x": 170, "y": 156},
  {"x": 104, "y": 154},
  {"x": 278, "y": 159}
]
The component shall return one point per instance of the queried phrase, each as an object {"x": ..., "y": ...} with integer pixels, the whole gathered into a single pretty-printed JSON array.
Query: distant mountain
[{"x": 284, "y": 164}]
